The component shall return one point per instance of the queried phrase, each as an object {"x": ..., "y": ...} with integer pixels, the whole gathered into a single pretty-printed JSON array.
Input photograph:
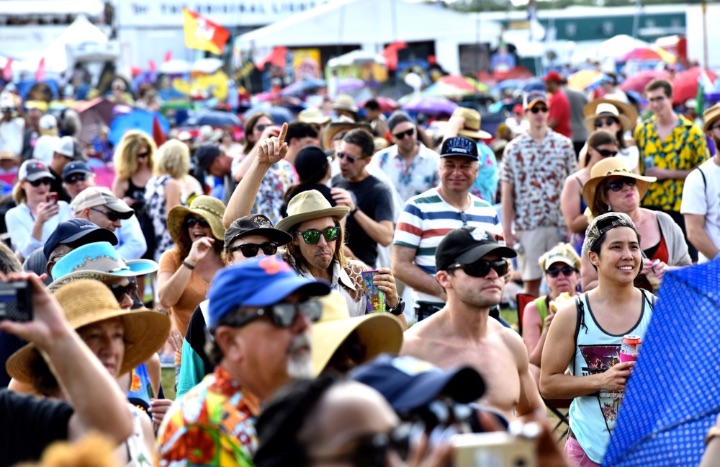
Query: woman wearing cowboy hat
[
  {"x": 616, "y": 117},
  {"x": 613, "y": 187},
  {"x": 121, "y": 339}
]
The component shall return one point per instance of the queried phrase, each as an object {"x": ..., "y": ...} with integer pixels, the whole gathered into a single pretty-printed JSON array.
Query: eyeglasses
[
  {"x": 42, "y": 181},
  {"x": 372, "y": 449},
  {"x": 537, "y": 109},
  {"x": 481, "y": 268},
  {"x": 74, "y": 178},
  {"x": 251, "y": 249},
  {"x": 111, "y": 215},
  {"x": 191, "y": 221},
  {"x": 119, "y": 290},
  {"x": 282, "y": 315},
  {"x": 142, "y": 155},
  {"x": 601, "y": 122},
  {"x": 312, "y": 236},
  {"x": 344, "y": 155},
  {"x": 566, "y": 271},
  {"x": 617, "y": 185},
  {"x": 606, "y": 152},
  {"x": 261, "y": 127},
  {"x": 405, "y": 133}
]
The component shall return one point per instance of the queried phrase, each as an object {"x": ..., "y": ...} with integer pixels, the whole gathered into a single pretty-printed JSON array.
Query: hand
[
  {"x": 273, "y": 148},
  {"x": 46, "y": 211},
  {"x": 510, "y": 239},
  {"x": 200, "y": 249},
  {"x": 660, "y": 174},
  {"x": 508, "y": 277},
  {"x": 343, "y": 197},
  {"x": 546, "y": 446},
  {"x": 454, "y": 125},
  {"x": 616, "y": 377},
  {"x": 129, "y": 201},
  {"x": 547, "y": 321},
  {"x": 386, "y": 282},
  {"x": 158, "y": 409},
  {"x": 421, "y": 455}
]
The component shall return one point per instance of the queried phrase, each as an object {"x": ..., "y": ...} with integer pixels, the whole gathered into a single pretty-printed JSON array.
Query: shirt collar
[
  {"x": 339, "y": 275},
  {"x": 228, "y": 386}
]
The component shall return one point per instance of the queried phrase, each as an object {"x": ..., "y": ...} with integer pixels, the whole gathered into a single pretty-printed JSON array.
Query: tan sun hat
[
  {"x": 313, "y": 115},
  {"x": 608, "y": 107},
  {"x": 378, "y": 332},
  {"x": 610, "y": 167},
  {"x": 472, "y": 123},
  {"x": 309, "y": 205},
  {"x": 338, "y": 127},
  {"x": 345, "y": 102},
  {"x": 710, "y": 116},
  {"x": 209, "y": 208},
  {"x": 86, "y": 302}
]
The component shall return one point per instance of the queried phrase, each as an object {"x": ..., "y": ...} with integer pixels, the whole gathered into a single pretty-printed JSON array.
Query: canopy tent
[{"x": 52, "y": 7}]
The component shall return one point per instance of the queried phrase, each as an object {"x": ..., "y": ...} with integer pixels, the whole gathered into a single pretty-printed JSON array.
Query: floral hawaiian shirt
[
  {"x": 213, "y": 424},
  {"x": 273, "y": 186},
  {"x": 684, "y": 149},
  {"x": 410, "y": 179}
]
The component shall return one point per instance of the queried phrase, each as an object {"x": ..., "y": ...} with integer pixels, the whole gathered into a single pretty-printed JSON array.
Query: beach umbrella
[
  {"x": 279, "y": 115},
  {"x": 349, "y": 85},
  {"x": 639, "y": 80},
  {"x": 304, "y": 87},
  {"x": 93, "y": 115},
  {"x": 580, "y": 80},
  {"x": 671, "y": 398},
  {"x": 135, "y": 119},
  {"x": 685, "y": 84},
  {"x": 215, "y": 118},
  {"x": 386, "y": 104},
  {"x": 429, "y": 105}
]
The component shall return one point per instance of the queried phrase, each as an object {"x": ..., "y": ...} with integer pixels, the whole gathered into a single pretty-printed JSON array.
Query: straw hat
[
  {"x": 309, "y": 205},
  {"x": 86, "y": 302},
  {"x": 608, "y": 107},
  {"x": 710, "y": 116},
  {"x": 472, "y": 123},
  {"x": 345, "y": 102},
  {"x": 378, "y": 332},
  {"x": 313, "y": 115},
  {"x": 611, "y": 167},
  {"x": 338, "y": 127},
  {"x": 209, "y": 208}
]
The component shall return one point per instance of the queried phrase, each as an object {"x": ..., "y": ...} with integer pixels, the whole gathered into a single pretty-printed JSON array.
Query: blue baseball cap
[
  {"x": 77, "y": 232},
  {"x": 257, "y": 282},
  {"x": 75, "y": 167},
  {"x": 409, "y": 383}
]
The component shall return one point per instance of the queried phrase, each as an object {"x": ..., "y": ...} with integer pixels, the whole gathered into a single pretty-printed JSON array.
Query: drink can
[
  {"x": 630, "y": 348},
  {"x": 375, "y": 298},
  {"x": 648, "y": 162}
]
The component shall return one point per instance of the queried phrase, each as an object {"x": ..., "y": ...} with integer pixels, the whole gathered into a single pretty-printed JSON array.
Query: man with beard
[
  {"x": 470, "y": 268},
  {"x": 259, "y": 314}
]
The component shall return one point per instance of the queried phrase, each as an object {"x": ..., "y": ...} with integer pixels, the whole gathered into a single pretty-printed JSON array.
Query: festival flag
[
  {"x": 203, "y": 34},
  {"x": 277, "y": 57},
  {"x": 40, "y": 72},
  {"x": 168, "y": 56},
  {"x": 390, "y": 54},
  {"x": 7, "y": 70}
]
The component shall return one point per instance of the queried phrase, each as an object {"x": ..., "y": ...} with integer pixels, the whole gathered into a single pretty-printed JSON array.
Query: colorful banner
[
  {"x": 203, "y": 34},
  {"x": 306, "y": 64}
]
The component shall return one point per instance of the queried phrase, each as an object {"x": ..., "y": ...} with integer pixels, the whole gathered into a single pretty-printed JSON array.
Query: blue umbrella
[
  {"x": 533, "y": 85},
  {"x": 672, "y": 398},
  {"x": 279, "y": 115},
  {"x": 214, "y": 118},
  {"x": 136, "y": 119},
  {"x": 301, "y": 88}
]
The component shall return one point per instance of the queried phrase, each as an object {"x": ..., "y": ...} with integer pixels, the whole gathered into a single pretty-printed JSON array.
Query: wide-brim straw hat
[
  {"x": 209, "y": 208},
  {"x": 309, "y": 205},
  {"x": 472, "y": 123},
  {"x": 338, "y": 127},
  {"x": 611, "y": 167},
  {"x": 710, "y": 116},
  {"x": 378, "y": 332},
  {"x": 608, "y": 107},
  {"x": 86, "y": 302}
]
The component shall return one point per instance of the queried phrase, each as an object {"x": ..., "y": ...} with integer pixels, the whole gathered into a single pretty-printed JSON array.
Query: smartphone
[
  {"x": 497, "y": 449},
  {"x": 16, "y": 301},
  {"x": 52, "y": 198}
]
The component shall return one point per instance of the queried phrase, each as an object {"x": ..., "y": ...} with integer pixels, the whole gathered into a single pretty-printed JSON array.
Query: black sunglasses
[
  {"x": 371, "y": 450},
  {"x": 282, "y": 315},
  {"x": 344, "y": 155},
  {"x": 191, "y": 221},
  {"x": 405, "y": 133},
  {"x": 111, "y": 215},
  {"x": 41, "y": 181},
  {"x": 261, "y": 127},
  {"x": 601, "y": 122},
  {"x": 617, "y": 185},
  {"x": 606, "y": 152},
  {"x": 119, "y": 290},
  {"x": 481, "y": 268},
  {"x": 537, "y": 109},
  {"x": 312, "y": 236},
  {"x": 74, "y": 178},
  {"x": 142, "y": 155},
  {"x": 566, "y": 271},
  {"x": 251, "y": 249}
]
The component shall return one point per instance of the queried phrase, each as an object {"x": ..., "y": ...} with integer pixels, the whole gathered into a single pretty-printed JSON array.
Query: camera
[
  {"x": 497, "y": 449},
  {"x": 16, "y": 301}
]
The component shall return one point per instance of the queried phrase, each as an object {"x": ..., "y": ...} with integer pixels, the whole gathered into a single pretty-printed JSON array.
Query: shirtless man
[{"x": 470, "y": 267}]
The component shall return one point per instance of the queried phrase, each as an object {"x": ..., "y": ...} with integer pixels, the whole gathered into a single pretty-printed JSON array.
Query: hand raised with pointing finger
[{"x": 272, "y": 149}]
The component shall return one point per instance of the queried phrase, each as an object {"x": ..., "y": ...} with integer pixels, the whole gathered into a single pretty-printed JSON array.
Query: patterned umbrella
[{"x": 672, "y": 399}]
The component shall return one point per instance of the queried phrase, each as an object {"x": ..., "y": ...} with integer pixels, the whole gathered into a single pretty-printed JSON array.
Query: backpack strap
[{"x": 579, "y": 322}]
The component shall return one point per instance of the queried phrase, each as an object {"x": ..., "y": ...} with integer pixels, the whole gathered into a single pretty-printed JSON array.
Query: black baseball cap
[
  {"x": 205, "y": 154},
  {"x": 467, "y": 245},
  {"x": 77, "y": 232},
  {"x": 459, "y": 146},
  {"x": 255, "y": 224},
  {"x": 75, "y": 167}
]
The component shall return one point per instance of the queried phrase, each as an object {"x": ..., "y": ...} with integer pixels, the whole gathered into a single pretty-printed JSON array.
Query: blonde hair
[
  {"x": 18, "y": 193},
  {"x": 125, "y": 157},
  {"x": 173, "y": 159},
  {"x": 561, "y": 249}
]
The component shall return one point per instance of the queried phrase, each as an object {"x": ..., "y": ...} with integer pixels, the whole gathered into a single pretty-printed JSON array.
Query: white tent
[{"x": 81, "y": 31}]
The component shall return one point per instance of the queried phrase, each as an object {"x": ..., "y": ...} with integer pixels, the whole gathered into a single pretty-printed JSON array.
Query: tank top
[
  {"x": 134, "y": 191},
  {"x": 658, "y": 251},
  {"x": 593, "y": 417}
]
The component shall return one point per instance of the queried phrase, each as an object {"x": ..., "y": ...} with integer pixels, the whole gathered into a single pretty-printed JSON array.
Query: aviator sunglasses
[
  {"x": 481, "y": 268},
  {"x": 250, "y": 250},
  {"x": 312, "y": 236},
  {"x": 74, "y": 178},
  {"x": 405, "y": 133}
]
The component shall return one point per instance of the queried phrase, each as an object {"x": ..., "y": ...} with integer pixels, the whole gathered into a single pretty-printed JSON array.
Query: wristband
[
  {"x": 398, "y": 309},
  {"x": 352, "y": 213},
  {"x": 716, "y": 257},
  {"x": 188, "y": 265}
]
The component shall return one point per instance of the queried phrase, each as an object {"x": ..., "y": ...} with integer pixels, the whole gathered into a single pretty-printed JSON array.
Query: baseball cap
[
  {"x": 32, "y": 170},
  {"x": 604, "y": 223},
  {"x": 534, "y": 98},
  {"x": 205, "y": 154},
  {"x": 47, "y": 121},
  {"x": 255, "y": 224},
  {"x": 467, "y": 245},
  {"x": 560, "y": 253},
  {"x": 553, "y": 77},
  {"x": 397, "y": 118},
  {"x": 66, "y": 147},
  {"x": 77, "y": 232},
  {"x": 459, "y": 146},
  {"x": 97, "y": 196},
  {"x": 409, "y": 383},
  {"x": 75, "y": 167},
  {"x": 311, "y": 164},
  {"x": 257, "y": 282},
  {"x": 517, "y": 108}
]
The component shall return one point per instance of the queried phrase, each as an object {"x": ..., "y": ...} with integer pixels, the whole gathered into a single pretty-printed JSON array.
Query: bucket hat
[
  {"x": 472, "y": 123},
  {"x": 209, "y": 208}
]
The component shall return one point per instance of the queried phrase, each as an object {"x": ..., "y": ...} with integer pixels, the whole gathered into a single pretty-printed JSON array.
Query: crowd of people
[{"x": 328, "y": 290}]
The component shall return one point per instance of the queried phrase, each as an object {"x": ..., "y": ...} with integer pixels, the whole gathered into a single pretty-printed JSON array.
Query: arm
[
  {"x": 119, "y": 187},
  {"x": 575, "y": 220},
  {"x": 380, "y": 231},
  {"x": 131, "y": 244},
  {"x": 530, "y": 402},
  {"x": 172, "y": 194},
  {"x": 665, "y": 174},
  {"x": 588, "y": 274},
  {"x": 695, "y": 225},
  {"x": 508, "y": 212},
  {"x": 531, "y": 326},
  {"x": 404, "y": 269}
]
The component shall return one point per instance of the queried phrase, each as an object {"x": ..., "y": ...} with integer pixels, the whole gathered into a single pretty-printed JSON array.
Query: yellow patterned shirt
[{"x": 684, "y": 149}]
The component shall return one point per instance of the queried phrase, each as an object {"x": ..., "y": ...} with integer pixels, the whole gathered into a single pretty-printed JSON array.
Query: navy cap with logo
[
  {"x": 255, "y": 224},
  {"x": 75, "y": 167},
  {"x": 205, "y": 154},
  {"x": 459, "y": 146},
  {"x": 467, "y": 245},
  {"x": 77, "y": 232}
]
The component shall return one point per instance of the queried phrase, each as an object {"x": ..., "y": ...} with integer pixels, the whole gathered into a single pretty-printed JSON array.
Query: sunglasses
[
  {"x": 344, "y": 155},
  {"x": 537, "y": 109},
  {"x": 42, "y": 181},
  {"x": 111, "y": 215},
  {"x": 261, "y": 127},
  {"x": 282, "y": 315},
  {"x": 617, "y": 185},
  {"x": 251, "y": 249},
  {"x": 372, "y": 449},
  {"x": 606, "y": 152},
  {"x": 601, "y": 122},
  {"x": 481, "y": 268},
  {"x": 142, "y": 155},
  {"x": 119, "y": 290},
  {"x": 566, "y": 271},
  {"x": 312, "y": 236},
  {"x": 191, "y": 221},
  {"x": 405, "y": 133},
  {"x": 74, "y": 178}
]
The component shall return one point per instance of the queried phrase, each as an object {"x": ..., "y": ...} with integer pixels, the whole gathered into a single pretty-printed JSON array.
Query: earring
[{"x": 609, "y": 208}]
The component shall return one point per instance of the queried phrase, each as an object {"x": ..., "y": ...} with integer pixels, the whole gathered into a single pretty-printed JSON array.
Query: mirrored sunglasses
[
  {"x": 312, "y": 236},
  {"x": 344, "y": 155}
]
